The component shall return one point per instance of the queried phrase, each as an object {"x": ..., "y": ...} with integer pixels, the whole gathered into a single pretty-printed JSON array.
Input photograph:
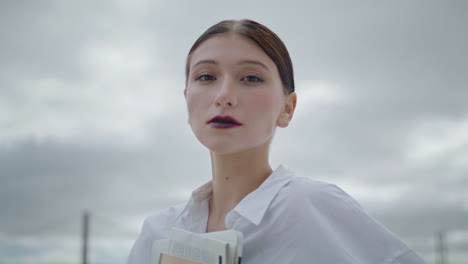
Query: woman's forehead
[{"x": 230, "y": 48}]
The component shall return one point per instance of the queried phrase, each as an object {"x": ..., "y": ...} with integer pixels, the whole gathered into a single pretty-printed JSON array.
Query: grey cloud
[
  {"x": 399, "y": 63},
  {"x": 50, "y": 179}
]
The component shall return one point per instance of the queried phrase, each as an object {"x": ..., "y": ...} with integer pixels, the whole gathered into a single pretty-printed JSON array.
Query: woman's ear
[
  {"x": 185, "y": 96},
  {"x": 288, "y": 110}
]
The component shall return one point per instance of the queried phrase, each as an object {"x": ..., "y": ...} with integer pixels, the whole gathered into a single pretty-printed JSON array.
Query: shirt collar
[
  {"x": 194, "y": 216},
  {"x": 253, "y": 207}
]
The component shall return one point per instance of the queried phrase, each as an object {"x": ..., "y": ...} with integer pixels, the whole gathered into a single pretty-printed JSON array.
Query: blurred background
[{"x": 93, "y": 118}]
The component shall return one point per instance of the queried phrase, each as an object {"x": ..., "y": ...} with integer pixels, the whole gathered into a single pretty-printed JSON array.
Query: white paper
[
  {"x": 197, "y": 247},
  {"x": 206, "y": 248},
  {"x": 232, "y": 238}
]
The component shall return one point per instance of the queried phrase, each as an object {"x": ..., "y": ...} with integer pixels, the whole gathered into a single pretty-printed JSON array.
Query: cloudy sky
[{"x": 92, "y": 116}]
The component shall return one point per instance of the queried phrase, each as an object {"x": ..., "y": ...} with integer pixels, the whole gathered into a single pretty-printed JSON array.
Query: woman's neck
[{"x": 234, "y": 177}]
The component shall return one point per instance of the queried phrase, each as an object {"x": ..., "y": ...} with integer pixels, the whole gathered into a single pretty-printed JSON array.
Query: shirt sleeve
[
  {"x": 155, "y": 227},
  {"x": 409, "y": 257},
  {"x": 330, "y": 225},
  {"x": 141, "y": 250}
]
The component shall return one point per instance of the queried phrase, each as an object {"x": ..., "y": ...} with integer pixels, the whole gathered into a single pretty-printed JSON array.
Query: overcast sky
[{"x": 92, "y": 115}]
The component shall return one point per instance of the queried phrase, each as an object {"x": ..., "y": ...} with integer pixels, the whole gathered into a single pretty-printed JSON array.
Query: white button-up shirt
[{"x": 287, "y": 219}]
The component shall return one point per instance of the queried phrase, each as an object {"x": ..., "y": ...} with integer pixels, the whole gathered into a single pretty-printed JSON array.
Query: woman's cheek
[
  {"x": 194, "y": 101},
  {"x": 264, "y": 102}
]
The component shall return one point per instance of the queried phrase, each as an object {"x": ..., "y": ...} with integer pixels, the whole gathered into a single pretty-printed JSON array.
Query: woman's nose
[{"x": 227, "y": 96}]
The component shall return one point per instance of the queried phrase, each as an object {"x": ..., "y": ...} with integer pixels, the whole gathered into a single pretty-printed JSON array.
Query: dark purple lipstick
[{"x": 224, "y": 122}]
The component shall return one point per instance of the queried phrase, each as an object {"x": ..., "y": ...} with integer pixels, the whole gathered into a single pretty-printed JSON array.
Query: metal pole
[
  {"x": 85, "y": 237},
  {"x": 441, "y": 249}
]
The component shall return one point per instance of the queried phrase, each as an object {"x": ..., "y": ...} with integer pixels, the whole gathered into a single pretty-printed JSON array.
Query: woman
[{"x": 239, "y": 88}]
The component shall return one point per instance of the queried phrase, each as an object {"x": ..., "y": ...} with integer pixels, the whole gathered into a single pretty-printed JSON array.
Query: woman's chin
[
  {"x": 232, "y": 149},
  {"x": 223, "y": 150}
]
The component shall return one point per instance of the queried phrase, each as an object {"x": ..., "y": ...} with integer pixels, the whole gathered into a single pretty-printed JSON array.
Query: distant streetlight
[
  {"x": 85, "y": 237},
  {"x": 441, "y": 247}
]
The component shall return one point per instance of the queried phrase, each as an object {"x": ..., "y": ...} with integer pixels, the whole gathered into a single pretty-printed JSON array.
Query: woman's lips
[
  {"x": 223, "y": 125},
  {"x": 224, "y": 122}
]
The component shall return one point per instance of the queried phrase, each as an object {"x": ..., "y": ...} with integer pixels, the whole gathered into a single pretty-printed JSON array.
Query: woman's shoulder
[
  {"x": 159, "y": 224},
  {"x": 155, "y": 227},
  {"x": 326, "y": 212},
  {"x": 318, "y": 193}
]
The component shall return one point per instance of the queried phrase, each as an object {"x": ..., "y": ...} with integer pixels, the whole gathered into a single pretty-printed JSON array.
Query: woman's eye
[
  {"x": 205, "y": 77},
  {"x": 252, "y": 78}
]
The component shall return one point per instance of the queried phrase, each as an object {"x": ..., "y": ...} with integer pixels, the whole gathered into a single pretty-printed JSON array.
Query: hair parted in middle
[{"x": 266, "y": 39}]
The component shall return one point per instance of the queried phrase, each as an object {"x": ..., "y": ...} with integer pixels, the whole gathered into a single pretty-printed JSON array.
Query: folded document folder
[{"x": 223, "y": 247}]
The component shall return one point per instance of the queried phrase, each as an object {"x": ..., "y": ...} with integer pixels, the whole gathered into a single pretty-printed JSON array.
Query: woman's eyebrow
[
  {"x": 254, "y": 62},
  {"x": 240, "y": 63},
  {"x": 204, "y": 61}
]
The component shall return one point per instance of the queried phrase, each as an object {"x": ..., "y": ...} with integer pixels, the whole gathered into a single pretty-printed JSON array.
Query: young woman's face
[{"x": 231, "y": 76}]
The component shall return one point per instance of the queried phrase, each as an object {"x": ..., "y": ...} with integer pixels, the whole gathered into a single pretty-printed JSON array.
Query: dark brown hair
[{"x": 266, "y": 39}]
